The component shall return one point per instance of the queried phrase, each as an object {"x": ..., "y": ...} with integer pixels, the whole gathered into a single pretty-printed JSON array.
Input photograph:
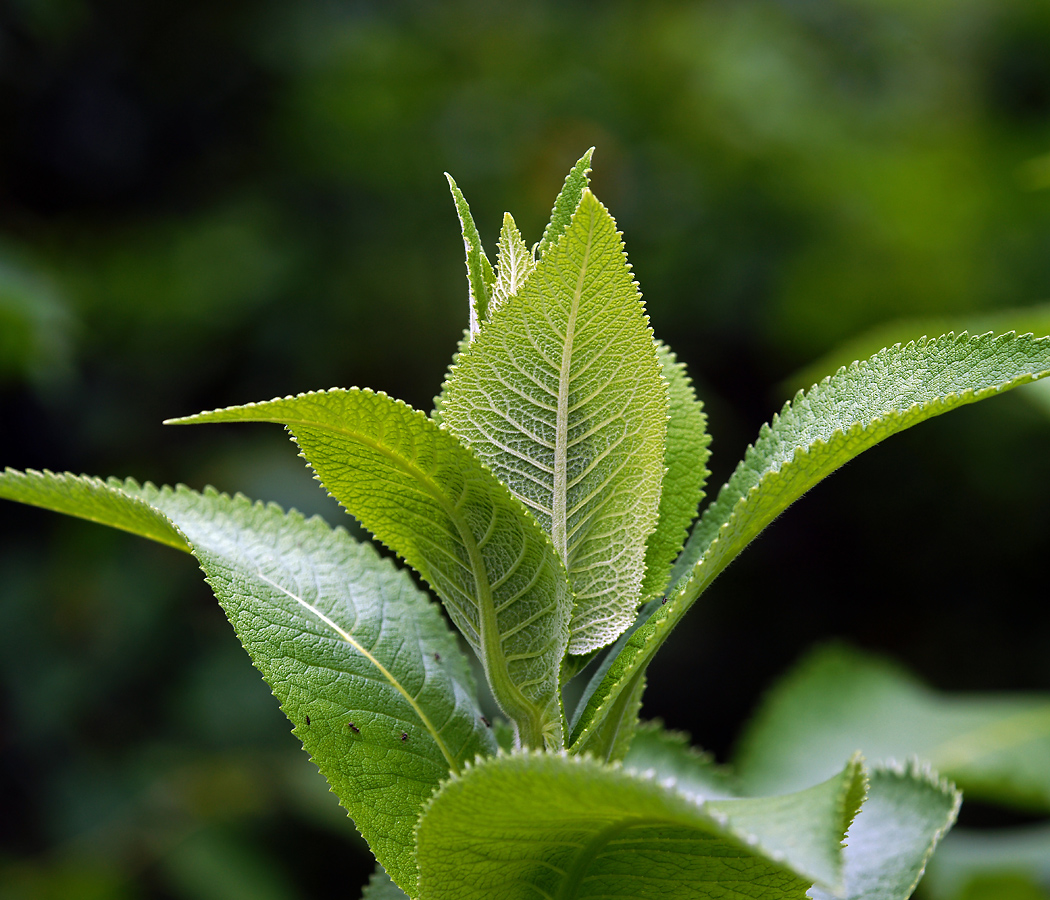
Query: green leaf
[
  {"x": 514, "y": 264},
  {"x": 814, "y": 435},
  {"x": 381, "y": 887},
  {"x": 361, "y": 661},
  {"x": 685, "y": 461},
  {"x": 426, "y": 496},
  {"x": 966, "y": 857},
  {"x": 561, "y": 396},
  {"x": 669, "y": 755},
  {"x": 92, "y": 499},
  {"x": 566, "y": 202},
  {"x": 906, "y": 813},
  {"x": 568, "y": 828},
  {"x": 996, "y": 747},
  {"x": 480, "y": 276}
]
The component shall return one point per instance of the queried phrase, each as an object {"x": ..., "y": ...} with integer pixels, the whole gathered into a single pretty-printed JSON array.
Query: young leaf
[
  {"x": 906, "y": 813},
  {"x": 425, "y": 495},
  {"x": 361, "y": 661},
  {"x": 514, "y": 264},
  {"x": 997, "y": 748},
  {"x": 480, "y": 276},
  {"x": 816, "y": 433},
  {"x": 561, "y": 395},
  {"x": 543, "y": 825},
  {"x": 685, "y": 460},
  {"x": 567, "y": 201}
]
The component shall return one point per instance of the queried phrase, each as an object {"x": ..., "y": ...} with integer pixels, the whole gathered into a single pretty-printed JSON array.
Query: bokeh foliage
[{"x": 202, "y": 204}]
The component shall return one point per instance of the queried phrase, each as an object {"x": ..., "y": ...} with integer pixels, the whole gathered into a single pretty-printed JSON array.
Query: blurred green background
[{"x": 210, "y": 203}]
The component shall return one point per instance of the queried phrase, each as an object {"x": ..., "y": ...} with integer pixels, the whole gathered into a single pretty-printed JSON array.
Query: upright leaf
[
  {"x": 361, "y": 661},
  {"x": 426, "y": 496},
  {"x": 685, "y": 461},
  {"x": 566, "y": 202},
  {"x": 542, "y": 825},
  {"x": 907, "y": 812},
  {"x": 562, "y": 396},
  {"x": 994, "y": 747},
  {"x": 514, "y": 264},
  {"x": 480, "y": 276},
  {"x": 816, "y": 433}
]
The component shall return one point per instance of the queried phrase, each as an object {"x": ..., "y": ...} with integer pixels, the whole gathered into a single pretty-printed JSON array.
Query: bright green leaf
[
  {"x": 814, "y": 435},
  {"x": 566, "y": 202},
  {"x": 906, "y": 813},
  {"x": 837, "y": 701},
  {"x": 561, "y": 395},
  {"x": 361, "y": 661},
  {"x": 426, "y": 496},
  {"x": 685, "y": 459},
  {"x": 480, "y": 276},
  {"x": 541, "y": 825},
  {"x": 669, "y": 755},
  {"x": 514, "y": 264}
]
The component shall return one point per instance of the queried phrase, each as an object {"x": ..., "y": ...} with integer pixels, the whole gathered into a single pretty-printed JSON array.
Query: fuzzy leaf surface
[
  {"x": 514, "y": 264},
  {"x": 566, "y": 202},
  {"x": 480, "y": 276},
  {"x": 685, "y": 459},
  {"x": 814, "y": 435},
  {"x": 341, "y": 637},
  {"x": 423, "y": 493},
  {"x": 543, "y": 825},
  {"x": 996, "y": 747},
  {"x": 562, "y": 396},
  {"x": 669, "y": 755},
  {"x": 905, "y": 815}
]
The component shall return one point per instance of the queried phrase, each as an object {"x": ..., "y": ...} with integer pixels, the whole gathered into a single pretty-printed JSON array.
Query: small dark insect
[
  {"x": 437, "y": 657},
  {"x": 662, "y": 602},
  {"x": 307, "y": 720},
  {"x": 353, "y": 727},
  {"x": 404, "y": 736},
  {"x": 488, "y": 724}
]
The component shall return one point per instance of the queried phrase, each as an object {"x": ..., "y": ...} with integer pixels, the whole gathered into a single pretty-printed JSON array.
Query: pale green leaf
[
  {"x": 1020, "y": 855},
  {"x": 561, "y": 395},
  {"x": 836, "y": 701},
  {"x": 906, "y": 813},
  {"x": 542, "y": 825},
  {"x": 422, "y": 493},
  {"x": 566, "y": 202},
  {"x": 514, "y": 264},
  {"x": 669, "y": 755},
  {"x": 361, "y": 661},
  {"x": 480, "y": 276},
  {"x": 381, "y": 887},
  {"x": 814, "y": 435},
  {"x": 685, "y": 461}
]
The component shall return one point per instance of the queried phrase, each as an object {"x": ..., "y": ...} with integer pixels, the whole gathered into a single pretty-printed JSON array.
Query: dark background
[{"x": 204, "y": 204}]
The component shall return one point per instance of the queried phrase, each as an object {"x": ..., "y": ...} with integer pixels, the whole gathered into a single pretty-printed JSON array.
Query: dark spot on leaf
[
  {"x": 437, "y": 657},
  {"x": 488, "y": 724},
  {"x": 353, "y": 727},
  {"x": 404, "y": 736},
  {"x": 307, "y": 720}
]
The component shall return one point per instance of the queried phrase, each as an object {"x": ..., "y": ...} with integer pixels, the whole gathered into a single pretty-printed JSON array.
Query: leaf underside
[
  {"x": 994, "y": 747},
  {"x": 541, "y": 825},
  {"x": 427, "y": 497},
  {"x": 480, "y": 276},
  {"x": 360, "y": 660},
  {"x": 562, "y": 396},
  {"x": 814, "y": 435}
]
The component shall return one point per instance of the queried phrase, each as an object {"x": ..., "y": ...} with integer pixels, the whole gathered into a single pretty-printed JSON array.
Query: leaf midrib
[
  {"x": 386, "y": 673},
  {"x": 492, "y": 649},
  {"x": 559, "y": 502}
]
